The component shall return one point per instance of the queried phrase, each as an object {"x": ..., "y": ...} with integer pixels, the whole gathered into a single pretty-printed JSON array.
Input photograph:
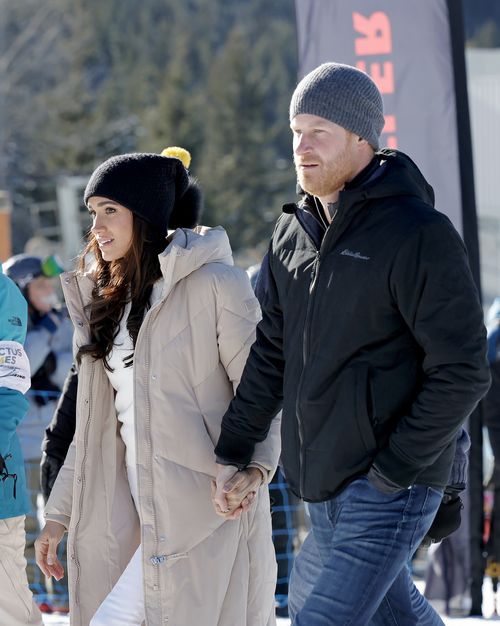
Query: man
[
  {"x": 372, "y": 340},
  {"x": 17, "y": 607}
]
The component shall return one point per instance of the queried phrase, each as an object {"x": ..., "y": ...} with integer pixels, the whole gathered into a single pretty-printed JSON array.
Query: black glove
[
  {"x": 448, "y": 517},
  {"x": 49, "y": 469}
]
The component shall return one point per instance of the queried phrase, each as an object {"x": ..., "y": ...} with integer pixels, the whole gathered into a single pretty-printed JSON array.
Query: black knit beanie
[
  {"x": 344, "y": 95},
  {"x": 149, "y": 185}
]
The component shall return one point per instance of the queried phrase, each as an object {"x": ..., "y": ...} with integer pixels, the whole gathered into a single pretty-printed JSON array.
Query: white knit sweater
[{"x": 122, "y": 380}]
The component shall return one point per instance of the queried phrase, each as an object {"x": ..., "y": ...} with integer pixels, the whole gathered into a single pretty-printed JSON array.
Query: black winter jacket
[
  {"x": 60, "y": 432},
  {"x": 372, "y": 339}
]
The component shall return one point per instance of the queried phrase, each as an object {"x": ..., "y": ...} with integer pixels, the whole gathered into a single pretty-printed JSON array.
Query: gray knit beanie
[{"x": 344, "y": 95}]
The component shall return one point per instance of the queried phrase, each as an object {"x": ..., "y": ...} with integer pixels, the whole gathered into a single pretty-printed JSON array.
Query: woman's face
[
  {"x": 42, "y": 294},
  {"x": 112, "y": 227}
]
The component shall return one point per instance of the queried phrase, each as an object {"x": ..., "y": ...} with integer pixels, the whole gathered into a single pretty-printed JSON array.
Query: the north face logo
[{"x": 15, "y": 321}]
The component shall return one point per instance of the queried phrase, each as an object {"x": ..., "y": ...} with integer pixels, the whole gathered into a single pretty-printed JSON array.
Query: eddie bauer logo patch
[{"x": 355, "y": 255}]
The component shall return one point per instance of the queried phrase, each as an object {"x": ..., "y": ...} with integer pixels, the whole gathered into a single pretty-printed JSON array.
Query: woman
[{"x": 162, "y": 335}]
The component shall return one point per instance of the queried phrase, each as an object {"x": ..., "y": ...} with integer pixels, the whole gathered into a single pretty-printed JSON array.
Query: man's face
[{"x": 325, "y": 155}]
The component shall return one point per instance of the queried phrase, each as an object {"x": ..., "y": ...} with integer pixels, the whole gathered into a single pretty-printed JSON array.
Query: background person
[
  {"x": 17, "y": 607},
  {"x": 49, "y": 349}
]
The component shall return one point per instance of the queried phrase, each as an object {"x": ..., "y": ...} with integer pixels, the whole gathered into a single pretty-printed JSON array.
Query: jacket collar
[{"x": 187, "y": 250}]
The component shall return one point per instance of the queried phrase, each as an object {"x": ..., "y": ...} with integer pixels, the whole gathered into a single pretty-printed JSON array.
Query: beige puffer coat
[{"x": 199, "y": 570}]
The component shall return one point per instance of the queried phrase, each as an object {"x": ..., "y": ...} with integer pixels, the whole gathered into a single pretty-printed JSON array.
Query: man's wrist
[
  {"x": 261, "y": 471},
  {"x": 221, "y": 461},
  {"x": 234, "y": 449},
  {"x": 452, "y": 491}
]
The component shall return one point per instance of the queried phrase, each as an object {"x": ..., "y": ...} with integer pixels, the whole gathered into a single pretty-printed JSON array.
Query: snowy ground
[{"x": 55, "y": 620}]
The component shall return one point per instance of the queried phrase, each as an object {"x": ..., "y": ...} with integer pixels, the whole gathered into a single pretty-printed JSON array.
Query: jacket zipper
[
  {"x": 314, "y": 274},
  {"x": 145, "y": 328},
  {"x": 305, "y": 353},
  {"x": 84, "y": 459},
  {"x": 82, "y": 477}
]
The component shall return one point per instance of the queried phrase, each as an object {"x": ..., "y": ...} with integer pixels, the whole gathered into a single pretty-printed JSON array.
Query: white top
[{"x": 122, "y": 381}]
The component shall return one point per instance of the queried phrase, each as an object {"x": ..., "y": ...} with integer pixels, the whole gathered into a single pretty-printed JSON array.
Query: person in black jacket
[
  {"x": 372, "y": 342},
  {"x": 59, "y": 434}
]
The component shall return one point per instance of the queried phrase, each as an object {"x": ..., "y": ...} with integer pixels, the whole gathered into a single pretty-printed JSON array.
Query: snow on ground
[
  {"x": 54, "y": 620},
  {"x": 63, "y": 620}
]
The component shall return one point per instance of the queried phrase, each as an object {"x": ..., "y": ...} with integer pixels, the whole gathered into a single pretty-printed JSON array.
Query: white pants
[
  {"x": 17, "y": 607},
  {"x": 124, "y": 604}
]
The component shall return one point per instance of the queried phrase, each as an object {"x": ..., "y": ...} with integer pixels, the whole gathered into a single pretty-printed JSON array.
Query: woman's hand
[
  {"x": 233, "y": 492},
  {"x": 46, "y": 550}
]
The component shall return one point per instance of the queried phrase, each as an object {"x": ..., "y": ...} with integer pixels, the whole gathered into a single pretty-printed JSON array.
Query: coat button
[
  {"x": 153, "y": 377},
  {"x": 78, "y": 479}
]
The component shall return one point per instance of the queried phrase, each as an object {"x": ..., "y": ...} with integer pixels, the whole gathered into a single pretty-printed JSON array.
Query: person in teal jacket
[{"x": 16, "y": 602}]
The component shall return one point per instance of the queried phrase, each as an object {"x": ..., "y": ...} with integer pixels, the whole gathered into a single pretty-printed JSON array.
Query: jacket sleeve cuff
[
  {"x": 234, "y": 450},
  {"x": 60, "y": 519},
  {"x": 220, "y": 461},
  {"x": 395, "y": 468}
]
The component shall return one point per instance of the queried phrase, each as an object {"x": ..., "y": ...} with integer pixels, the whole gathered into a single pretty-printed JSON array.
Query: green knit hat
[{"x": 344, "y": 95}]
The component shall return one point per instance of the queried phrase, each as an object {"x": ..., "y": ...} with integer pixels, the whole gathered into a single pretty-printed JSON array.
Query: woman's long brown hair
[{"x": 129, "y": 279}]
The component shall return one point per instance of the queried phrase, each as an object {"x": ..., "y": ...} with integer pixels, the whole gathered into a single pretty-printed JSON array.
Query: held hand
[
  {"x": 241, "y": 490},
  {"x": 224, "y": 473},
  {"x": 447, "y": 520},
  {"x": 234, "y": 492},
  {"x": 46, "y": 550}
]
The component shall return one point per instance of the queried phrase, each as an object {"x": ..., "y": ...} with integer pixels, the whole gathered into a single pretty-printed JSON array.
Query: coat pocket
[{"x": 344, "y": 445}]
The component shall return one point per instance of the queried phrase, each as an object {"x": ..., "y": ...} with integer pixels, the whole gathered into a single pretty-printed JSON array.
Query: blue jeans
[{"x": 353, "y": 566}]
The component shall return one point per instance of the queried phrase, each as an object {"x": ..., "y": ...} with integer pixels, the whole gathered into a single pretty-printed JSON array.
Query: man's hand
[
  {"x": 234, "y": 491},
  {"x": 447, "y": 520},
  {"x": 49, "y": 469},
  {"x": 46, "y": 550}
]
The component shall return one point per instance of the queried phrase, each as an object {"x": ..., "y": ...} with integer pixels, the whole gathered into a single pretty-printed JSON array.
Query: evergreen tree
[{"x": 81, "y": 80}]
